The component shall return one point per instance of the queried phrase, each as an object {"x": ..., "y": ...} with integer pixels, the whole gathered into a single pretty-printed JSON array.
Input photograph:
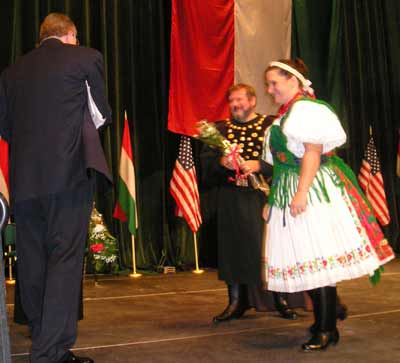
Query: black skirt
[{"x": 240, "y": 233}]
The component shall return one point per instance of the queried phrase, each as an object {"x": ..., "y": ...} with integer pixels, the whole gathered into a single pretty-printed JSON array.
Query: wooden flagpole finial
[
  {"x": 370, "y": 130},
  {"x": 125, "y": 115}
]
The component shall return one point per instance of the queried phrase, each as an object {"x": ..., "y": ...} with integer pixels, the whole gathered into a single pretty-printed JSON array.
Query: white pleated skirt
[{"x": 322, "y": 246}]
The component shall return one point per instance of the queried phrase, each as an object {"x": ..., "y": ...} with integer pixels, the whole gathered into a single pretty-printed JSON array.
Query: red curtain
[{"x": 202, "y": 62}]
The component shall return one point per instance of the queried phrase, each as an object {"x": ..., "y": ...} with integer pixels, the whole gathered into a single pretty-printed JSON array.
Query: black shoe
[
  {"x": 321, "y": 341},
  {"x": 72, "y": 358},
  {"x": 288, "y": 314},
  {"x": 231, "y": 312},
  {"x": 237, "y": 304},
  {"x": 282, "y": 307}
]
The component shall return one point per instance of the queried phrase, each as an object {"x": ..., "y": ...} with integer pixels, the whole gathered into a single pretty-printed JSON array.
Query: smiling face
[
  {"x": 241, "y": 105},
  {"x": 280, "y": 87}
]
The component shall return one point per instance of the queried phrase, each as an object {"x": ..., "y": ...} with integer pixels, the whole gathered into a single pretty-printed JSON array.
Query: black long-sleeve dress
[{"x": 240, "y": 225}]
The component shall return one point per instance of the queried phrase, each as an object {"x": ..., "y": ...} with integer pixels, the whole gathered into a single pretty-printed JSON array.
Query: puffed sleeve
[{"x": 312, "y": 122}]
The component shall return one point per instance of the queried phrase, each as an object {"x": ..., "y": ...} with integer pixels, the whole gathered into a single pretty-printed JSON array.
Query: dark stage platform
[{"x": 167, "y": 318}]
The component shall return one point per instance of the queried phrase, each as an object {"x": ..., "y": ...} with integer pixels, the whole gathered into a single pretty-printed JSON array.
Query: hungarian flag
[
  {"x": 216, "y": 43},
  {"x": 4, "y": 187},
  {"x": 183, "y": 186},
  {"x": 125, "y": 208},
  {"x": 371, "y": 181}
]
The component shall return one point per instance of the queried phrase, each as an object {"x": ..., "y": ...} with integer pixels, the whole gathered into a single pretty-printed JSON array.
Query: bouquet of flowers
[
  {"x": 102, "y": 245},
  {"x": 208, "y": 133}
]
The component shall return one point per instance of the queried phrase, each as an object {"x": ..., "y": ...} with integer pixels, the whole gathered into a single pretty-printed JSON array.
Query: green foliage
[{"x": 102, "y": 246}]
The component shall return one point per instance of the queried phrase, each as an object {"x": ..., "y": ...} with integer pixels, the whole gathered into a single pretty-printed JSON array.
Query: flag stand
[
  {"x": 10, "y": 280},
  {"x": 197, "y": 270},
  {"x": 134, "y": 274},
  {"x": 9, "y": 253}
]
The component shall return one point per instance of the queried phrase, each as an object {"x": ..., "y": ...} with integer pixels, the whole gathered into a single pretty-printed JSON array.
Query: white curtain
[{"x": 262, "y": 34}]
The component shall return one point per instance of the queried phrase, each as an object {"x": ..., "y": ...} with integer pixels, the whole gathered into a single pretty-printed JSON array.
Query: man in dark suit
[{"x": 44, "y": 117}]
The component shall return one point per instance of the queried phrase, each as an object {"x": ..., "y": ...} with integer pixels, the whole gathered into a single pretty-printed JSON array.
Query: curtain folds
[
  {"x": 372, "y": 54},
  {"x": 317, "y": 25},
  {"x": 133, "y": 36},
  {"x": 352, "y": 48}
]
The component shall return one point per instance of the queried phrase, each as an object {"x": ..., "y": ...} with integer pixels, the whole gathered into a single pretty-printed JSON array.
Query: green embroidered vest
[{"x": 286, "y": 169}]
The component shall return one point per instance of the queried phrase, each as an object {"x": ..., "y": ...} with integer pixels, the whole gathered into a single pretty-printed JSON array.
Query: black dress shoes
[
  {"x": 237, "y": 304},
  {"x": 321, "y": 341},
  {"x": 282, "y": 307},
  {"x": 289, "y": 314},
  {"x": 72, "y": 358},
  {"x": 231, "y": 312}
]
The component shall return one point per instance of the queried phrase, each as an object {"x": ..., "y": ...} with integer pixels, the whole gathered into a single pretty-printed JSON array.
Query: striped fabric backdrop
[{"x": 216, "y": 43}]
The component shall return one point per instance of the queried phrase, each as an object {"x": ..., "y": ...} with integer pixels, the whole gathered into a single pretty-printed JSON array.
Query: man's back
[{"x": 45, "y": 133}]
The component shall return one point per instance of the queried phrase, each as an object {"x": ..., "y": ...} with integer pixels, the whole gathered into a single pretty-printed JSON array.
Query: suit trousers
[{"x": 51, "y": 237}]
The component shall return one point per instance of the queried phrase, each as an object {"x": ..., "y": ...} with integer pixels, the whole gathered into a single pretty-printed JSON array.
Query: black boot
[
  {"x": 341, "y": 313},
  {"x": 315, "y": 327},
  {"x": 237, "y": 304},
  {"x": 282, "y": 307},
  {"x": 324, "y": 301},
  {"x": 321, "y": 341}
]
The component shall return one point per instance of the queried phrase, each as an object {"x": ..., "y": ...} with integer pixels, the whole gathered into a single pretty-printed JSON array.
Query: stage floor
[{"x": 167, "y": 318}]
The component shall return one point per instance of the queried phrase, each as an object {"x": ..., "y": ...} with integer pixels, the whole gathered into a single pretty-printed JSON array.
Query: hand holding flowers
[{"x": 231, "y": 159}]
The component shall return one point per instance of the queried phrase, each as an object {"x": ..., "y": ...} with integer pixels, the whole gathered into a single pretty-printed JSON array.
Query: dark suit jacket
[{"x": 43, "y": 106}]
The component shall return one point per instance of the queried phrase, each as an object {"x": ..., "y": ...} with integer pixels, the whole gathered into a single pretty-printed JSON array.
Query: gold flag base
[
  {"x": 135, "y": 275},
  {"x": 197, "y": 270},
  {"x": 10, "y": 282}
]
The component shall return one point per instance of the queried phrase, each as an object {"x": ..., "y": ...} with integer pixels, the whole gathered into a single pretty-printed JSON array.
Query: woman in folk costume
[{"x": 320, "y": 226}]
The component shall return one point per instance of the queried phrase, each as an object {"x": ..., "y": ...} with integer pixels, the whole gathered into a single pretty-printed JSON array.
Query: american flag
[
  {"x": 371, "y": 181},
  {"x": 183, "y": 186}
]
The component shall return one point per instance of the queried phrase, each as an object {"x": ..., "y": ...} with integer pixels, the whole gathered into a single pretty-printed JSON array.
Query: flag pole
[
  {"x": 10, "y": 280},
  {"x": 134, "y": 274},
  {"x": 196, "y": 256}
]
